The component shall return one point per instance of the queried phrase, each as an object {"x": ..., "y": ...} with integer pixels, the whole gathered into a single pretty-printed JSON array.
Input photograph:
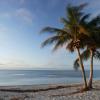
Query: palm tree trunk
[
  {"x": 82, "y": 67},
  {"x": 91, "y": 71}
]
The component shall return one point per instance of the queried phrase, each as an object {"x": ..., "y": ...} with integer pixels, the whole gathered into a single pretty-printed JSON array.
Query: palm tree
[
  {"x": 93, "y": 44},
  {"x": 70, "y": 34},
  {"x": 85, "y": 56}
]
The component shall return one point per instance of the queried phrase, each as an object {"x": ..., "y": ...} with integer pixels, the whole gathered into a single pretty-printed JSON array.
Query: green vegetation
[
  {"x": 92, "y": 45},
  {"x": 78, "y": 32}
]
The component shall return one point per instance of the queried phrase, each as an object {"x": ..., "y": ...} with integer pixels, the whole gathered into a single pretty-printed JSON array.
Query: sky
[{"x": 20, "y": 41}]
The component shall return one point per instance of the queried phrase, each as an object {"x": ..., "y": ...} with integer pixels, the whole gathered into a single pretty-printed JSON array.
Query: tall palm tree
[
  {"x": 93, "y": 45},
  {"x": 94, "y": 25},
  {"x": 85, "y": 56},
  {"x": 70, "y": 34}
]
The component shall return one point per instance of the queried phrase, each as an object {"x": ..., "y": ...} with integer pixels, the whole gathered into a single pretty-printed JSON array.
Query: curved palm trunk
[
  {"x": 91, "y": 71},
  {"x": 82, "y": 67}
]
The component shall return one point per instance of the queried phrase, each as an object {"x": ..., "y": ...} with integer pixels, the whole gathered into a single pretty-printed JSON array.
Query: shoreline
[
  {"x": 36, "y": 88},
  {"x": 49, "y": 92}
]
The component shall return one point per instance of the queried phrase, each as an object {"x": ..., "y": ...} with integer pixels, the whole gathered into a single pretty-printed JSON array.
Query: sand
[{"x": 49, "y": 92}]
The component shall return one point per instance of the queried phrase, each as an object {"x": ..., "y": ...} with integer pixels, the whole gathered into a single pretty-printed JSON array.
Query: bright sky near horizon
[{"x": 20, "y": 24}]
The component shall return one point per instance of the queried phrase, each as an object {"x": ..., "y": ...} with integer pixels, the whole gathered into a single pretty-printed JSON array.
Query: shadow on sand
[{"x": 76, "y": 91}]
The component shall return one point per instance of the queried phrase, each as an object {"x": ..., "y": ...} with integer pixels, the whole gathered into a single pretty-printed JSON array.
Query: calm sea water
[{"x": 30, "y": 77}]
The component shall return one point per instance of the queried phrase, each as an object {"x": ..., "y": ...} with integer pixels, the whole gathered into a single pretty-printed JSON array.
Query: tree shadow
[
  {"x": 70, "y": 94},
  {"x": 79, "y": 91},
  {"x": 96, "y": 88}
]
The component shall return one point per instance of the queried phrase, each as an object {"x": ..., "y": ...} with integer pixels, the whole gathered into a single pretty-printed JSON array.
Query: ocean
[{"x": 35, "y": 77}]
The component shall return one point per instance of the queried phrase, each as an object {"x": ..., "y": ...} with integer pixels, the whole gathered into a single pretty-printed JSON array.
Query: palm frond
[
  {"x": 71, "y": 14},
  {"x": 53, "y": 30},
  {"x": 64, "y": 21},
  {"x": 70, "y": 46},
  {"x": 76, "y": 64},
  {"x": 82, "y": 6},
  {"x": 50, "y": 40},
  {"x": 95, "y": 21},
  {"x": 60, "y": 43},
  {"x": 78, "y": 10},
  {"x": 84, "y": 55},
  {"x": 97, "y": 55},
  {"x": 84, "y": 19}
]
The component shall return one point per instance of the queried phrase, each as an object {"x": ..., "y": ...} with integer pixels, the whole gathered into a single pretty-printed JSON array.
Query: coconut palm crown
[
  {"x": 93, "y": 46},
  {"x": 71, "y": 34}
]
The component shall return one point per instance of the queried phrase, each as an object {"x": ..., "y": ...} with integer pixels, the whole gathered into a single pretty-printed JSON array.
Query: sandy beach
[{"x": 49, "y": 92}]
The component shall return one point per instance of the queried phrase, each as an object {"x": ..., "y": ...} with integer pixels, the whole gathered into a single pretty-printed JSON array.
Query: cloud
[
  {"x": 21, "y": 14},
  {"x": 24, "y": 14}
]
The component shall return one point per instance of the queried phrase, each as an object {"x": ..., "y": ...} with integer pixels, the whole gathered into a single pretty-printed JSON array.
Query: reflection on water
[{"x": 29, "y": 77}]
